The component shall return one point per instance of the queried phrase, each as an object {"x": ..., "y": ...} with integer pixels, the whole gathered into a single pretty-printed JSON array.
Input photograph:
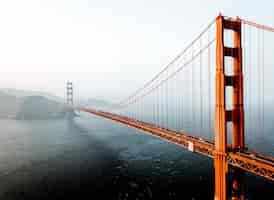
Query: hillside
[
  {"x": 9, "y": 105},
  {"x": 22, "y": 104},
  {"x": 38, "y": 107},
  {"x": 18, "y": 104},
  {"x": 27, "y": 93}
]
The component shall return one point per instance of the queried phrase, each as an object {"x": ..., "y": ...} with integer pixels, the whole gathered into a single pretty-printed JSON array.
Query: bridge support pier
[
  {"x": 238, "y": 179},
  {"x": 222, "y": 116}
]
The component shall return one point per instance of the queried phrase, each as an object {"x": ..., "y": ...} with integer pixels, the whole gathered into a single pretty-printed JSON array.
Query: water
[{"x": 90, "y": 156}]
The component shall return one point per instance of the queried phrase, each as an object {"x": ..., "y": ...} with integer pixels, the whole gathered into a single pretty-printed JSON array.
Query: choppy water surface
[{"x": 90, "y": 156}]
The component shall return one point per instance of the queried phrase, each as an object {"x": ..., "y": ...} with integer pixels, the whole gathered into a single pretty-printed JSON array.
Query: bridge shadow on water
[{"x": 123, "y": 165}]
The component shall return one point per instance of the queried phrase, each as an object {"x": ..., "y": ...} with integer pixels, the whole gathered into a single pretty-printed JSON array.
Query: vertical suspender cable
[
  {"x": 175, "y": 107},
  {"x": 167, "y": 111},
  {"x": 192, "y": 91},
  {"x": 163, "y": 104},
  {"x": 263, "y": 71},
  {"x": 190, "y": 108},
  {"x": 157, "y": 104},
  {"x": 209, "y": 88},
  {"x": 201, "y": 88},
  {"x": 182, "y": 92},
  {"x": 167, "y": 98},
  {"x": 152, "y": 100},
  {"x": 250, "y": 82},
  {"x": 259, "y": 81},
  {"x": 244, "y": 67}
]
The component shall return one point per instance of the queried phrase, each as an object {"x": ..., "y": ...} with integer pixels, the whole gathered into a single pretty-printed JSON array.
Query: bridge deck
[{"x": 249, "y": 161}]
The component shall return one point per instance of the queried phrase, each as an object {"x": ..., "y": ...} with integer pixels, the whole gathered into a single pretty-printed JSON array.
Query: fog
[{"x": 107, "y": 48}]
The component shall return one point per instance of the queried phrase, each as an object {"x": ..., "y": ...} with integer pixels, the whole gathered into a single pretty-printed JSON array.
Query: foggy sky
[{"x": 107, "y": 48}]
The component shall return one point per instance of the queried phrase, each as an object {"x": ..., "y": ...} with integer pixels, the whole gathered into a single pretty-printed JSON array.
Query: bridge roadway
[{"x": 246, "y": 160}]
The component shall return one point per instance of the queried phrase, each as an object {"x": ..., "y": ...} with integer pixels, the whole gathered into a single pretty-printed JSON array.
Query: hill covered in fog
[
  {"x": 19, "y": 104},
  {"x": 9, "y": 105},
  {"x": 28, "y": 93},
  {"x": 22, "y": 104},
  {"x": 38, "y": 107}
]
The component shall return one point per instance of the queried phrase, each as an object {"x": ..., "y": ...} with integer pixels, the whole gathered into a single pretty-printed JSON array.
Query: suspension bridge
[{"x": 209, "y": 99}]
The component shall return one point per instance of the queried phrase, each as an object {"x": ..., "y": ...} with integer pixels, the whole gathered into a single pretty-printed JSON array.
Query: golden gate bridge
[{"x": 204, "y": 97}]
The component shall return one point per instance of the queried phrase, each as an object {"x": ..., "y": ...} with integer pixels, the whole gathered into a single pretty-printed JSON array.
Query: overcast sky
[{"x": 107, "y": 47}]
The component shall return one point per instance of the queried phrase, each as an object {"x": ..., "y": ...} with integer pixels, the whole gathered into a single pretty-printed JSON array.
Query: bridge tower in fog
[
  {"x": 69, "y": 93},
  {"x": 222, "y": 115}
]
